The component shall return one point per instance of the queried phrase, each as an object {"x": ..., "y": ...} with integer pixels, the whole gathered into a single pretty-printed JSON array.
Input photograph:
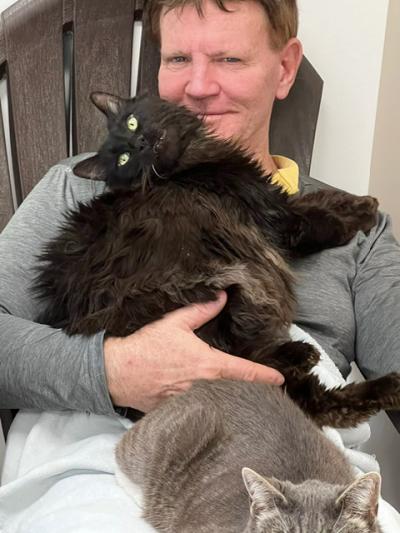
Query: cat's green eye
[
  {"x": 123, "y": 159},
  {"x": 132, "y": 123}
]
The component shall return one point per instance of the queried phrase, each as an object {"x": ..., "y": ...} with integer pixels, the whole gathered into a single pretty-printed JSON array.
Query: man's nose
[{"x": 202, "y": 82}]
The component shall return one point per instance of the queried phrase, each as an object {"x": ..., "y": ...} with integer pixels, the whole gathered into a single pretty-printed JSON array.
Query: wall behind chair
[
  {"x": 355, "y": 47},
  {"x": 385, "y": 163},
  {"x": 5, "y": 3}
]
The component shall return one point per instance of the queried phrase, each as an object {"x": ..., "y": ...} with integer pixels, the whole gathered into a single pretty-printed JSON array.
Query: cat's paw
[
  {"x": 328, "y": 218},
  {"x": 358, "y": 213},
  {"x": 300, "y": 357},
  {"x": 355, "y": 212}
]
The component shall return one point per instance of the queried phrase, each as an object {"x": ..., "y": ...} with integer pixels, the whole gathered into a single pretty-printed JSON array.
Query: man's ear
[{"x": 291, "y": 56}]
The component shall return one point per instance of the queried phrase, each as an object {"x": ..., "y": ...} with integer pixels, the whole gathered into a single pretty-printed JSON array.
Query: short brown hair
[{"x": 282, "y": 16}]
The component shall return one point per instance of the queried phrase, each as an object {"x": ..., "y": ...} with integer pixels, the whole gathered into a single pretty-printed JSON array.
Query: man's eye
[
  {"x": 178, "y": 59},
  {"x": 175, "y": 60},
  {"x": 231, "y": 60}
]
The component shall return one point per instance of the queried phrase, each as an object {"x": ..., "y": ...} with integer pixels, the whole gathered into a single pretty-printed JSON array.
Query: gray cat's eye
[
  {"x": 132, "y": 123},
  {"x": 123, "y": 159}
]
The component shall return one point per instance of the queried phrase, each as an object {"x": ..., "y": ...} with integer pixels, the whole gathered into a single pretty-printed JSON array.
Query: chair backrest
[{"x": 50, "y": 115}]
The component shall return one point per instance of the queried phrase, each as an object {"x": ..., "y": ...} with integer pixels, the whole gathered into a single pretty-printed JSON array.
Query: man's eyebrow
[
  {"x": 173, "y": 53},
  {"x": 212, "y": 55},
  {"x": 229, "y": 53}
]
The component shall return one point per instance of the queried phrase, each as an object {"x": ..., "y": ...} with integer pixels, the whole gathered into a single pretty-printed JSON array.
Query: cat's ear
[
  {"x": 361, "y": 498},
  {"x": 266, "y": 496},
  {"x": 91, "y": 168},
  {"x": 109, "y": 104}
]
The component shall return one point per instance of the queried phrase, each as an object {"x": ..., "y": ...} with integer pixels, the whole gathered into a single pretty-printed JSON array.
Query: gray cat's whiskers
[{"x": 341, "y": 529}]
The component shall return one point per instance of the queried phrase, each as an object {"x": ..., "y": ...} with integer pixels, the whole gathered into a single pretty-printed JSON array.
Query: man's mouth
[
  {"x": 211, "y": 120},
  {"x": 210, "y": 115}
]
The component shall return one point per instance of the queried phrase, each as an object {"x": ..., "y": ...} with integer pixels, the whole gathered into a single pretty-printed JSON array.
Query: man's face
[{"x": 223, "y": 68}]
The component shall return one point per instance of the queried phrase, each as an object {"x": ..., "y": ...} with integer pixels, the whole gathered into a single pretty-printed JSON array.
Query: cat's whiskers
[
  {"x": 157, "y": 173},
  {"x": 146, "y": 180}
]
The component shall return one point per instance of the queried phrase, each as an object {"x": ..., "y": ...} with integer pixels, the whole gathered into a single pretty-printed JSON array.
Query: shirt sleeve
[
  {"x": 377, "y": 302},
  {"x": 42, "y": 367}
]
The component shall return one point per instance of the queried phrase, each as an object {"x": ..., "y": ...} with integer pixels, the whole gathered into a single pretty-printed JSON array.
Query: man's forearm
[{"x": 43, "y": 368}]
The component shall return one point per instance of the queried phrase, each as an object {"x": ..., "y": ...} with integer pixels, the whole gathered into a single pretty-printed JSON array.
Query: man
[{"x": 228, "y": 63}]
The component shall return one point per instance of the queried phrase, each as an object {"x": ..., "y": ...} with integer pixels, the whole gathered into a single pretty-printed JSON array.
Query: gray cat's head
[{"x": 313, "y": 506}]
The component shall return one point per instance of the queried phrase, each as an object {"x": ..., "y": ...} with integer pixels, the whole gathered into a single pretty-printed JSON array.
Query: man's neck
[
  {"x": 268, "y": 164},
  {"x": 261, "y": 153}
]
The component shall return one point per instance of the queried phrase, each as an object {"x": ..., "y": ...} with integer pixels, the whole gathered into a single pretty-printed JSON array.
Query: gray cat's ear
[
  {"x": 109, "y": 104},
  {"x": 266, "y": 496},
  {"x": 361, "y": 498},
  {"x": 91, "y": 168}
]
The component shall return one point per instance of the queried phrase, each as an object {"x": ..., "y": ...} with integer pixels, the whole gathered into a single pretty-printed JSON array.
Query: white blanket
[{"x": 59, "y": 467}]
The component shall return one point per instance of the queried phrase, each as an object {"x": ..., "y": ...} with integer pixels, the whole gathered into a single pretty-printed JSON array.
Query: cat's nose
[{"x": 141, "y": 143}]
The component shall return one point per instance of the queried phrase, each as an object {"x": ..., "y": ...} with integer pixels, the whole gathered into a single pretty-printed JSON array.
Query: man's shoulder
[
  {"x": 62, "y": 183},
  {"x": 58, "y": 191},
  {"x": 66, "y": 166}
]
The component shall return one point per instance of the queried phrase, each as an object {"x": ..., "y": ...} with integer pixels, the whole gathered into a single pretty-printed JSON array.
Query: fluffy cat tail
[{"x": 344, "y": 407}]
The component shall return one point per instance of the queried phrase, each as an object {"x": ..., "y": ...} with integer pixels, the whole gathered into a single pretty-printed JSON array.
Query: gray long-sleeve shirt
[{"x": 348, "y": 299}]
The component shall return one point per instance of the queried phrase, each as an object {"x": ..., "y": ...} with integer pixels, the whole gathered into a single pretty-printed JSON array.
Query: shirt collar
[{"x": 287, "y": 175}]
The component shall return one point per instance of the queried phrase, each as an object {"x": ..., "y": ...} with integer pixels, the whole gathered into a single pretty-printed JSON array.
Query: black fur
[{"x": 185, "y": 216}]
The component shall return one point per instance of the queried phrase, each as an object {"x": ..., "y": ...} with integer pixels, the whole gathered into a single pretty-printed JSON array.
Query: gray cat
[{"x": 200, "y": 456}]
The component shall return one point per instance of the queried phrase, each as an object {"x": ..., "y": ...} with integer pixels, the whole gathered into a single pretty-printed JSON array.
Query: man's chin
[{"x": 217, "y": 126}]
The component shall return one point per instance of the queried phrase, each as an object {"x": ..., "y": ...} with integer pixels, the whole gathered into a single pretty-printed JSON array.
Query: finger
[
  {"x": 241, "y": 369},
  {"x": 195, "y": 315}
]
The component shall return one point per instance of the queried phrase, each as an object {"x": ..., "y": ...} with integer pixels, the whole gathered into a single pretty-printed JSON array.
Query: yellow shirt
[{"x": 287, "y": 175}]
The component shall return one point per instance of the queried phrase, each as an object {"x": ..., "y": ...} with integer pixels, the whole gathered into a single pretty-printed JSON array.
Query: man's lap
[{"x": 59, "y": 471}]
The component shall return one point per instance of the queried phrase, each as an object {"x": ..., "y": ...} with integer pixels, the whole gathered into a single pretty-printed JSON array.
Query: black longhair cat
[{"x": 186, "y": 215}]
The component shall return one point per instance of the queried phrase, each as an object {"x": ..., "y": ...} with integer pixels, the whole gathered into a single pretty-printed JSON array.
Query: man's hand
[{"x": 165, "y": 357}]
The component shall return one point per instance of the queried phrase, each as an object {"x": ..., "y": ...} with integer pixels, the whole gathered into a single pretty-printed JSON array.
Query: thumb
[
  {"x": 245, "y": 370},
  {"x": 195, "y": 315}
]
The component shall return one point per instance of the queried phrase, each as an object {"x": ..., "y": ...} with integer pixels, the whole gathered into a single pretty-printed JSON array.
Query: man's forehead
[
  {"x": 238, "y": 11},
  {"x": 203, "y": 5},
  {"x": 244, "y": 23}
]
